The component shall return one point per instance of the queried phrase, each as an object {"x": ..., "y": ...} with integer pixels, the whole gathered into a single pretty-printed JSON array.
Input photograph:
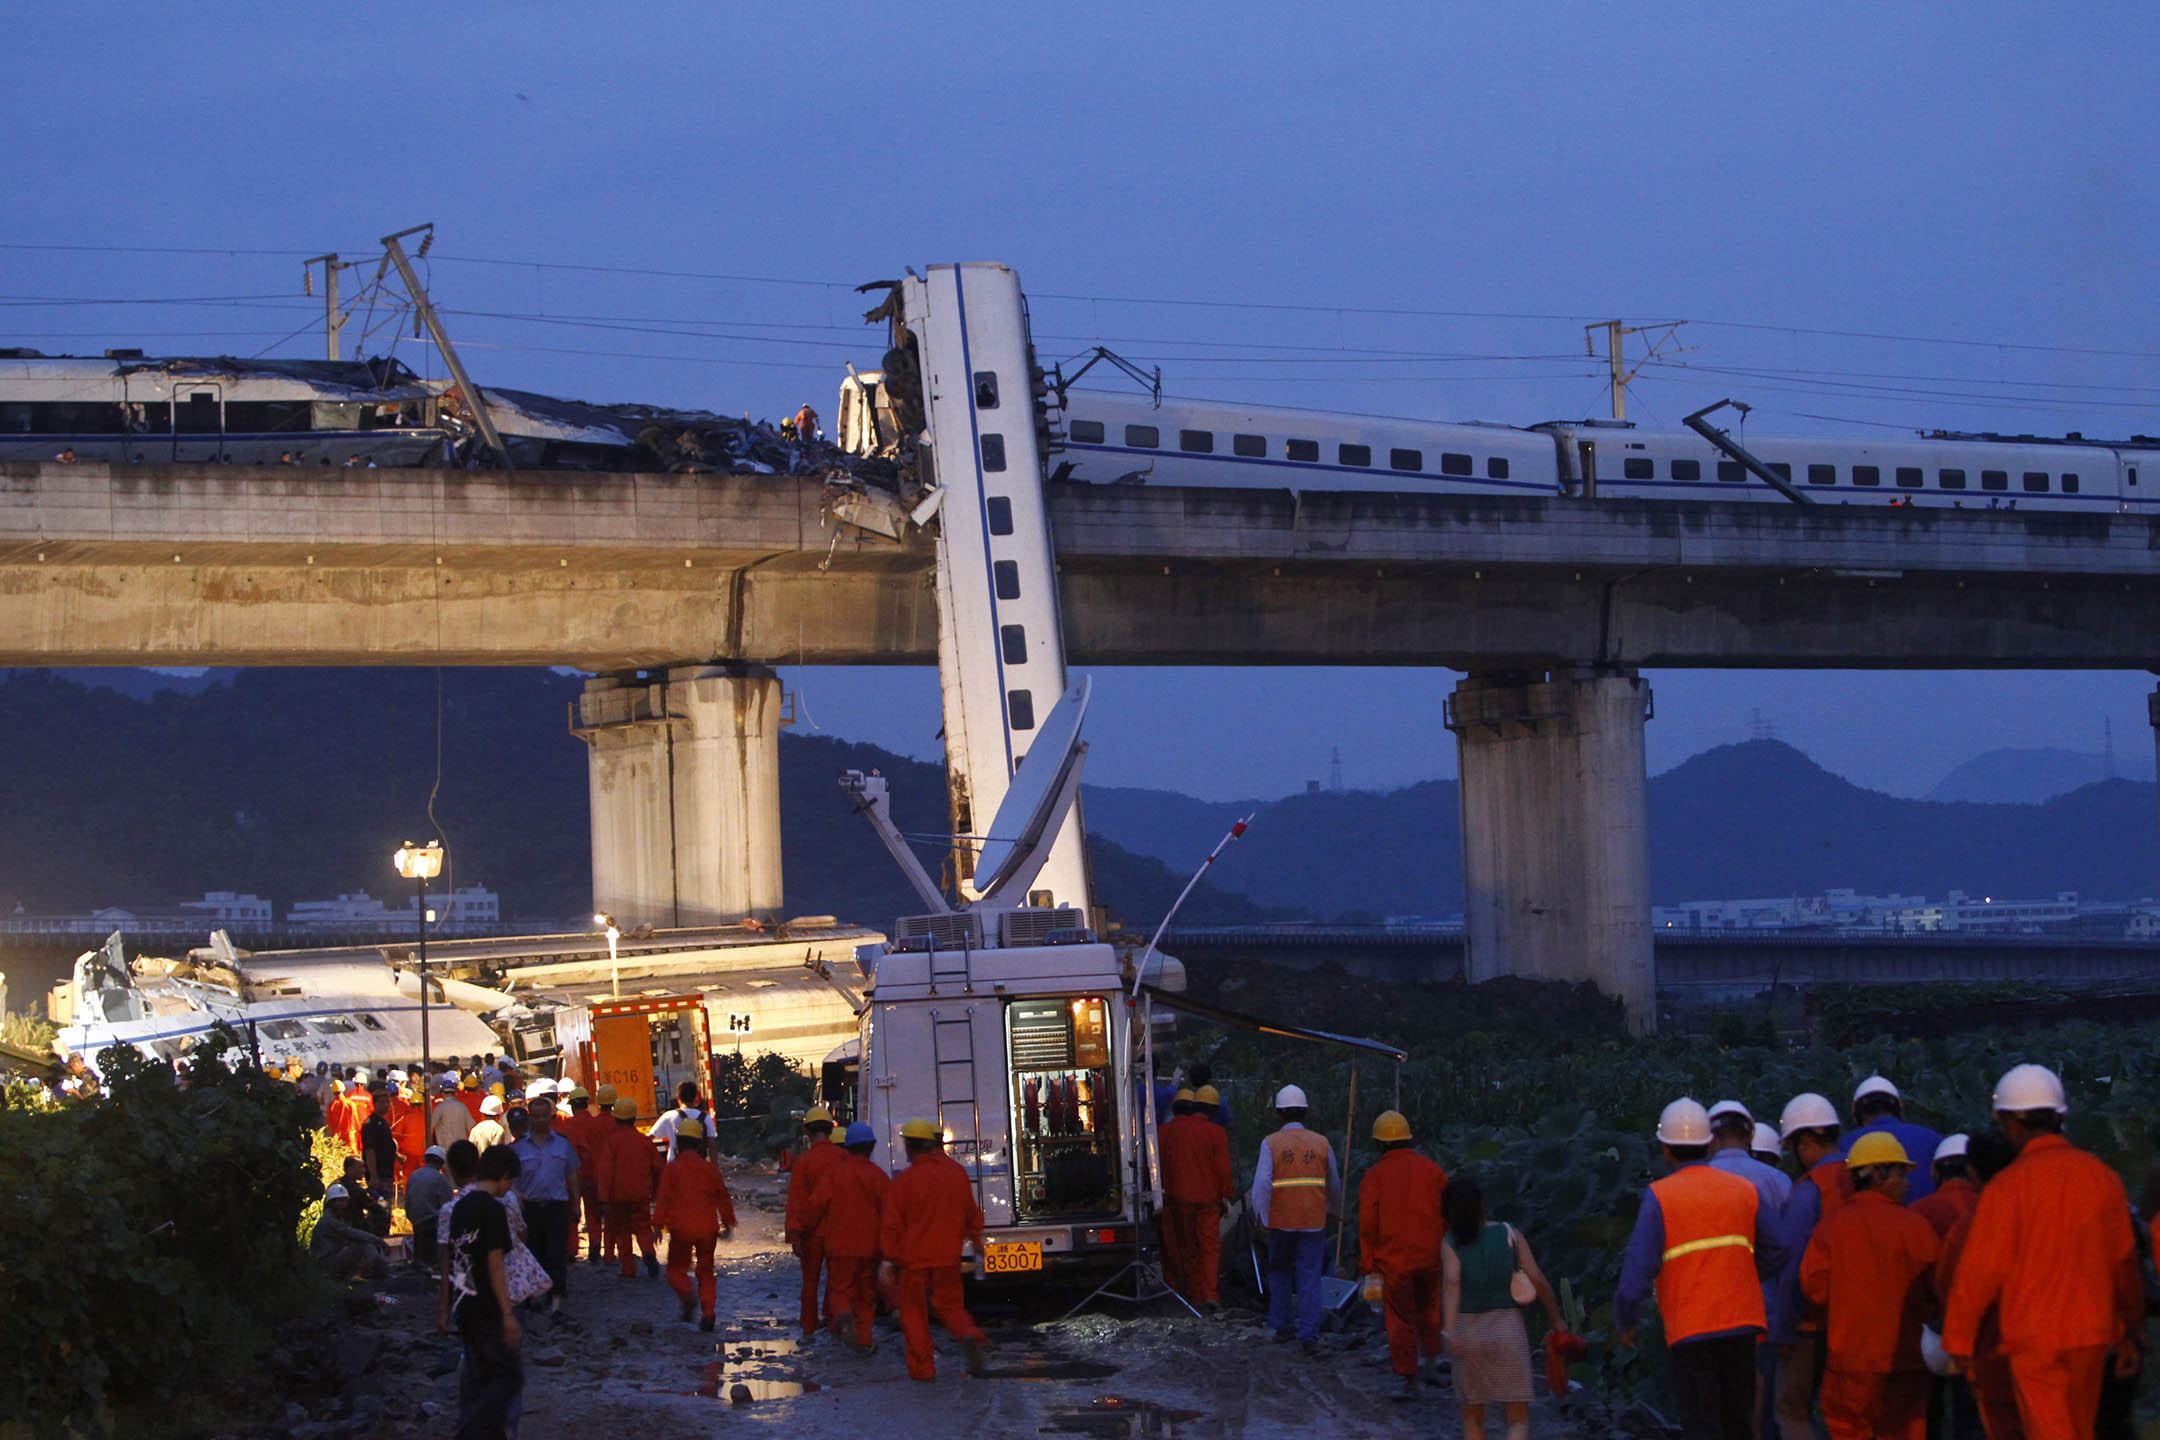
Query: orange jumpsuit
[
  {"x": 1399, "y": 1234},
  {"x": 1196, "y": 1186},
  {"x": 334, "y": 1116},
  {"x": 847, "y": 1211},
  {"x": 583, "y": 1128},
  {"x": 693, "y": 1207},
  {"x": 811, "y": 1166},
  {"x": 2051, "y": 1250},
  {"x": 1948, "y": 1204},
  {"x": 1871, "y": 1266},
  {"x": 408, "y": 1128},
  {"x": 1993, "y": 1390},
  {"x": 628, "y": 1168},
  {"x": 928, "y": 1211},
  {"x": 359, "y": 1105},
  {"x": 471, "y": 1099}
]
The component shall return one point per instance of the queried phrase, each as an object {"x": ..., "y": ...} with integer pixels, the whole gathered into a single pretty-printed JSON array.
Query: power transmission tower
[
  {"x": 334, "y": 318},
  {"x": 1334, "y": 776},
  {"x": 1615, "y": 333}
]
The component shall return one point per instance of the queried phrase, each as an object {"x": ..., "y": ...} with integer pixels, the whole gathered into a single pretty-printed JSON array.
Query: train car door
[
  {"x": 199, "y": 421},
  {"x": 147, "y": 406}
]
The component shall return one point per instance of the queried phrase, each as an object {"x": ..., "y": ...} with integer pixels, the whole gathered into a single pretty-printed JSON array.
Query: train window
[
  {"x": 1496, "y": 467},
  {"x": 1911, "y": 477},
  {"x": 1252, "y": 446},
  {"x": 1301, "y": 449},
  {"x": 1782, "y": 470},
  {"x": 1021, "y": 706},
  {"x": 1950, "y": 479},
  {"x": 1866, "y": 475},
  {"x": 1635, "y": 467},
  {"x": 2070, "y": 483},
  {"x": 1822, "y": 474},
  {"x": 260, "y": 417},
  {"x": 1005, "y": 579},
  {"x": 993, "y": 451},
  {"x": 1687, "y": 469},
  {"x": 1457, "y": 465},
  {"x": 1014, "y": 640},
  {"x": 986, "y": 389},
  {"x": 1353, "y": 454},
  {"x": 1196, "y": 442},
  {"x": 2130, "y": 474},
  {"x": 1087, "y": 432},
  {"x": 999, "y": 511},
  {"x": 1142, "y": 437},
  {"x": 2036, "y": 482},
  {"x": 1731, "y": 472},
  {"x": 1994, "y": 479},
  {"x": 1407, "y": 459}
]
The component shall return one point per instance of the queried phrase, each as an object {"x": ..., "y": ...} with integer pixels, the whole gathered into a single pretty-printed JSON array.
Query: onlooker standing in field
[
  {"x": 426, "y": 1192},
  {"x": 491, "y": 1131},
  {"x": 1400, "y": 1232},
  {"x": 462, "y": 1160},
  {"x": 2051, "y": 1252},
  {"x": 1481, "y": 1312},
  {"x": 1871, "y": 1267},
  {"x": 547, "y": 1179},
  {"x": 1877, "y": 1106},
  {"x": 1702, "y": 1239},
  {"x": 448, "y": 1121},
  {"x": 491, "y": 1382},
  {"x": 1733, "y": 1136}
]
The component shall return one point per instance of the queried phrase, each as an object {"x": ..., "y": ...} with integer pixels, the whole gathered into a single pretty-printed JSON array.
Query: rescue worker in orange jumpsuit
[
  {"x": 928, "y": 1211},
  {"x": 469, "y": 1095},
  {"x": 2051, "y": 1252},
  {"x": 1197, "y": 1188},
  {"x": 1954, "y": 1196},
  {"x": 819, "y": 1156},
  {"x": 847, "y": 1211},
  {"x": 1810, "y": 1128},
  {"x": 408, "y": 1130},
  {"x": 1990, "y": 1392},
  {"x": 359, "y": 1105},
  {"x": 337, "y": 1112},
  {"x": 1399, "y": 1234},
  {"x": 806, "y": 424},
  {"x": 695, "y": 1210},
  {"x": 1702, "y": 1238},
  {"x": 598, "y": 1112},
  {"x": 1871, "y": 1268},
  {"x": 628, "y": 1170}
]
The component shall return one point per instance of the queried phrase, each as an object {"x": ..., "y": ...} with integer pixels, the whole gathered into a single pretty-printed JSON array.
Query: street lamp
[
  {"x": 420, "y": 864},
  {"x": 614, "y": 933}
]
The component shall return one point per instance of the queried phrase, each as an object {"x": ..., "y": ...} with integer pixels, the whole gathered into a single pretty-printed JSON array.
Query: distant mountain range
[
  {"x": 300, "y": 783},
  {"x": 2031, "y": 777}
]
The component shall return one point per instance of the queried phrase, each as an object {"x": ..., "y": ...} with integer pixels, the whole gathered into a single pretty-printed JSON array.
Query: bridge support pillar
[
  {"x": 1555, "y": 831},
  {"x": 685, "y": 783}
]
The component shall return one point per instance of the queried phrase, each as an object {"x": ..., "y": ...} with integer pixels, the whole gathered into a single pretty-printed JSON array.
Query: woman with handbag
[{"x": 1487, "y": 1274}]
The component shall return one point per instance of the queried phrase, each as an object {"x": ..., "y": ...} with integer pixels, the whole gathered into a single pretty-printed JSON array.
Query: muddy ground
[{"x": 624, "y": 1366}]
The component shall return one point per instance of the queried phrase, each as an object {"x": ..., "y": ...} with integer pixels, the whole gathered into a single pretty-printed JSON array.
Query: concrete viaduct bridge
[{"x": 682, "y": 591}]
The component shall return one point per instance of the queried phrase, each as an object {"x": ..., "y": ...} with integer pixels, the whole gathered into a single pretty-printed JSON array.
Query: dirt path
[{"x": 626, "y": 1367}]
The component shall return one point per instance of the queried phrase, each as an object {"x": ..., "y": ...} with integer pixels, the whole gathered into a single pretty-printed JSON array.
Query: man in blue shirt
[
  {"x": 547, "y": 1178},
  {"x": 1876, "y": 1105},
  {"x": 1732, "y": 1140}
]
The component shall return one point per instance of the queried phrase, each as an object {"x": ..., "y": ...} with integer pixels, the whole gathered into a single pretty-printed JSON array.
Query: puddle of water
[
  {"x": 740, "y": 1385},
  {"x": 1041, "y": 1366},
  {"x": 1114, "y": 1417}
]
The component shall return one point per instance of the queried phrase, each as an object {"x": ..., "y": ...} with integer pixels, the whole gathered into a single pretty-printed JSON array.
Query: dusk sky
[{"x": 1875, "y": 219}]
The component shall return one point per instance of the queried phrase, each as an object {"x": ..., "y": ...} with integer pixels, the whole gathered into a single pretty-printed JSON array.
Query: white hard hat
[
  {"x": 1875, "y": 1085},
  {"x": 542, "y": 1086},
  {"x": 492, "y": 1105},
  {"x": 361, "y": 1075},
  {"x": 1290, "y": 1098},
  {"x": 2030, "y": 1087},
  {"x": 335, "y": 1192},
  {"x": 1952, "y": 1147},
  {"x": 1731, "y": 1107},
  {"x": 1932, "y": 1353},
  {"x": 1807, "y": 1112},
  {"x": 1766, "y": 1139},
  {"x": 397, "y": 1077},
  {"x": 1684, "y": 1122}
]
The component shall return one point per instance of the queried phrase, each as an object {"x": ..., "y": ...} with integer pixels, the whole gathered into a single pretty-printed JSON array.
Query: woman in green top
[{"x": 1482, "y": 1318}]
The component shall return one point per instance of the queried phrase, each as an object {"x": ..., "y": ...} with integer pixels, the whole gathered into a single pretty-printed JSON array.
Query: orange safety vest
[
  {"x": 1297, "y": 1200},
  {"x": 1707, "y": 1281}
]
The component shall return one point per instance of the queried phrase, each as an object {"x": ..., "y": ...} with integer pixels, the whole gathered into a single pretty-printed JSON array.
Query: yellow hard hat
[
  {"x": 579, "y": 1092},
  {"x": 469, "y": 1082},
  {"x": 817, "y": 1115},
  {"x": 1207, "y": 1095},
  {"x": 689, "y": 1128},
  {"x": 606, "y": 1095},
  {"x": 920, "y": 1130},
  {"x": 1183, "y": 1095},
  {"x": 498, "y": 1088},
  {"x": 625, "y": 1108},
  {"x": 1877, "y": 1147},
  {"x": 1390, "y": 1125}
]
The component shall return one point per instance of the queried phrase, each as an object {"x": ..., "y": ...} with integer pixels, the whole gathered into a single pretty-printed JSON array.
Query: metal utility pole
[
  {"x": 425, "y": 311},
  {"x": 1615, "y": 332},
  {"x": 333, "y": 318}
]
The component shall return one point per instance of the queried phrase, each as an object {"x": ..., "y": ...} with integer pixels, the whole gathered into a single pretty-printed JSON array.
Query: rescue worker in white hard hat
[
  {"x": 2050, "y": 1251},
  {"x": 1296, "y": 1193},
  {"x": 1732, "y": 1138},
  {"x": 1810, "y": 1128},
  {"x": 1701, "y": 1238},
  {"x": 1877, "y": 1107}
]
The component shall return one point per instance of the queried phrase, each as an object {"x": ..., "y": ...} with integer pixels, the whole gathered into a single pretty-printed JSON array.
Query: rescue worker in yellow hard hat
[
  {"x": 1197, "y": 1188},
  {"x": 819, "y": 1156},
  {"x": 928, "y": 1212},
  {"x": 1399, "y": 1234},
  {"x": 1870, "y": 1266}
]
